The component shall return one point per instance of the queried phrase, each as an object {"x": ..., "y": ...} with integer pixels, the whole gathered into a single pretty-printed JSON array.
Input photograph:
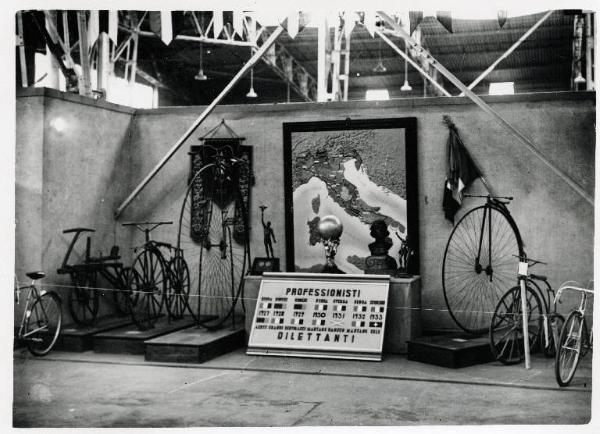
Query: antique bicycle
[
  {"x": 160, "y": 277},
  {"x": 42, "y": 317},
  {"x": 479, "y": 264},
  {"x": 507, "y": 329},
  {"x": 575, "y": 338},
  {"x": 84, "y": 296},
  {"x": 213, "y": 233}
]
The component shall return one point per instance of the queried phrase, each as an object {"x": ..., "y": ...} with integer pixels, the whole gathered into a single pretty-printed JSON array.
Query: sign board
[{"x": 320, "y": 315}]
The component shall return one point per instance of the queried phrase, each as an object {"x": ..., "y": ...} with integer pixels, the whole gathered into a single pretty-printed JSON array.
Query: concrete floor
[{"x": 108, "y": 390}]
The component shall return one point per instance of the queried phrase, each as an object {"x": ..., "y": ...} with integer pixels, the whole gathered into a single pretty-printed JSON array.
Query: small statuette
[
  {"x": 269, "y": 262},
  {"x": 405, "y": 255}
]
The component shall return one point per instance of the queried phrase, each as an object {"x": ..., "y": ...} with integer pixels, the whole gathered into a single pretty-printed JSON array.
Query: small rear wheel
[
  {"x": 506, "y": 329},
  {"x": 122, "y": 294},
  {"x": 179, "y": 289},
  {"x": 569, "y": 348},
  {"x": 84, "y": 299},
  {"x": 43, "y": 324}
]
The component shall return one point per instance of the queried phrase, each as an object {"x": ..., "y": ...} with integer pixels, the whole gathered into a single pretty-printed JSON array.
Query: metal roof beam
[
  {"x": 486, "y": 108},
  {"x": 510, "y": 50},
  {"x": 255, "y": 58}
]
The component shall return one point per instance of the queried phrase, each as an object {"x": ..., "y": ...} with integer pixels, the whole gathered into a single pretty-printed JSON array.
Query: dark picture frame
[{"x": 406, "y": 126}]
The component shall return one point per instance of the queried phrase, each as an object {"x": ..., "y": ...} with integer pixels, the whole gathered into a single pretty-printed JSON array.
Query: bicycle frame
[
  {"x": 33, "y": 294},
  {"x": 493, "y": 202}
]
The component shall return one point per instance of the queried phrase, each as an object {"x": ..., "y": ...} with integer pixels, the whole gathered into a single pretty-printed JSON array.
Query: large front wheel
[
  {"x": 43, "y": 324},
  {"x": 480, "y": 265},
  {"x": 569, "y": 349}
]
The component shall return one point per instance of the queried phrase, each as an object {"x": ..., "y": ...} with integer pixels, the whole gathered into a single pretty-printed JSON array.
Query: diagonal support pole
[
  {"x": 412, "y": 62},
  {"x": 399, "y": 31},
  {"x": 207, "y": 111},
  {"x": 510, "y": 50}
]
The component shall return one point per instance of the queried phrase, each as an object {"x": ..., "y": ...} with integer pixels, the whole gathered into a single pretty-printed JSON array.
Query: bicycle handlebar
[
  {"x": 146, "y": 223},
  {"x": 68, "y": 231},
  {"x": 488, "y": 196},
  {"x": 530, "y": 261}
]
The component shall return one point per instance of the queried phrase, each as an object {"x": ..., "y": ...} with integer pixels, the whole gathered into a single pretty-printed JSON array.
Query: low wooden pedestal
[{"x": 403, "y": 321}]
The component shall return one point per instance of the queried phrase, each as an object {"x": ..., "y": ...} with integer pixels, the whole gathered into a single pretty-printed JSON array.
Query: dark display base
[
  {"x": 195, "y": 344},
  {"x": 450, "y": 351},
  {"x": 130, "y": 340},
  {"x": 261, "y": 265},
  {"x": 76, "y": 338}
]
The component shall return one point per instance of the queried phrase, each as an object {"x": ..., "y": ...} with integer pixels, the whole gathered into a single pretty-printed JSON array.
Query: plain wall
[
  {"x": 68, "y": 177},
  {"x": 557, "y": 225}
]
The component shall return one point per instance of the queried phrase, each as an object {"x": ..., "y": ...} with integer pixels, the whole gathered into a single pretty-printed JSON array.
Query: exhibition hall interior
[{"x": 246, "y": 218}]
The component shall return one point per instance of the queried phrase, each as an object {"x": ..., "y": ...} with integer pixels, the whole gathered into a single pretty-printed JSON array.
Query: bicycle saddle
[
  {"x": 538, "y": 277},
  {"x": 35, "y": 275}
]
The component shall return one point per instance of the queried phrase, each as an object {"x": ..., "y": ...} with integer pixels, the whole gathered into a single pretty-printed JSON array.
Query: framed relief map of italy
[{"x": 358, "y": 170}]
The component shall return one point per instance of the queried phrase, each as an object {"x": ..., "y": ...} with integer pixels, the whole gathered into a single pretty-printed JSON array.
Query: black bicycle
[
  {"x": 160, "y": 277},
  {"x": 42, "y": 317},
  {"x": 480, "y": 263}
]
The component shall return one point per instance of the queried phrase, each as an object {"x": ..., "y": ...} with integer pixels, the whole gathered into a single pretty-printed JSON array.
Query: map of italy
[{"x": 331, "y": 176}]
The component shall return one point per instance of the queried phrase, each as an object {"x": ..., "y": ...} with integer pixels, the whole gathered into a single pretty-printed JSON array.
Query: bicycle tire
[
  {"x": 217, "y": 261},
  {"x": 472, "y": 290},
  {"x": 121, "y": 294},
  {"x": 152, "y": 274},
  {"x": 84, "y": 298},
  {"x": 177, "y": 296},
  {"x": 45, "y": 313},
  {"x": 506, "y": 328},
  {"x": 567, "y": 356}
]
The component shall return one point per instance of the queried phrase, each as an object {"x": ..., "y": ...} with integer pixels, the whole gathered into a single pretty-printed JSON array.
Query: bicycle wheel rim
[
  {"x": 567, "y": 356},
  {"x": 84, "y": 299},
  {"x": 43, "y": 324},
  {"x": 470, "y": 293},
  {"x": 179, "y": 289},
  {"x": 216, "y": 261},
  {"x": 151, "y": 288},
  {"x": 506, "y": 328}
]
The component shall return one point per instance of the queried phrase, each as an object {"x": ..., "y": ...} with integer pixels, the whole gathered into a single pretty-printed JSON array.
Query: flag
[{"x": 460, "y": 171}]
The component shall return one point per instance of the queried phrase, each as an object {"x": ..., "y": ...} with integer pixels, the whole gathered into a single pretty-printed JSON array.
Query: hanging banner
[
  {"x": 166, "y": 27},
  {"x": 340, "y": 316},
  {"x": 113, "y": 25},
  {"x": 238, "y": 23},
  {"x": 217, "y": 23}
]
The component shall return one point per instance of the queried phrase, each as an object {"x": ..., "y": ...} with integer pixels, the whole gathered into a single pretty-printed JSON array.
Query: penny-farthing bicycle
[
  {"x": 480, "y": 263},
  {"x": 213, "y": 233}
]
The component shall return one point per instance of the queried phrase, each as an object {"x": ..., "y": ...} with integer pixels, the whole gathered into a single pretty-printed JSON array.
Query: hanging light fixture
[
  {"x": 406, "y": 87},
  {"x": 200, "y": 76},
  {"x": 380, "y": 67},
  {"x": 251, "y": 93}
]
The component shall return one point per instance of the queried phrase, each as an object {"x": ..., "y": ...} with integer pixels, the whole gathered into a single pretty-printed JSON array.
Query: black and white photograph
[{"x": 347, "y": 216}]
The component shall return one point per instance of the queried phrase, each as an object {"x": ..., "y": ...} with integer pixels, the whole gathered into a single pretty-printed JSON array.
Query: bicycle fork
[{"x": 478, "y": 268}]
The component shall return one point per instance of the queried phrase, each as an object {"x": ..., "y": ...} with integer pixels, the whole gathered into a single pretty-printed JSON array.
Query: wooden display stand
[{"x": 403, "y": 321}]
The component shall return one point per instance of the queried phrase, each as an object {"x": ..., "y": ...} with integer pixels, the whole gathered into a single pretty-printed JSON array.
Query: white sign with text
[{"x": 320, "y": 315}]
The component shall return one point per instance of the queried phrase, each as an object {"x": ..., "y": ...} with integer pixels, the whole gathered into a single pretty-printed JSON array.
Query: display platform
[
  {"x": 195, "y": 344},
  {"x": 130, "y": 340},
  {"x": 451, "y": 351},
  {"x": 76, "y": 338}
]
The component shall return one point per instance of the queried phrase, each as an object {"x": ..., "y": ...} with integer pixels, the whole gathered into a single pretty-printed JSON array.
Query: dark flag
[{"x": 460, "y": 171}]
